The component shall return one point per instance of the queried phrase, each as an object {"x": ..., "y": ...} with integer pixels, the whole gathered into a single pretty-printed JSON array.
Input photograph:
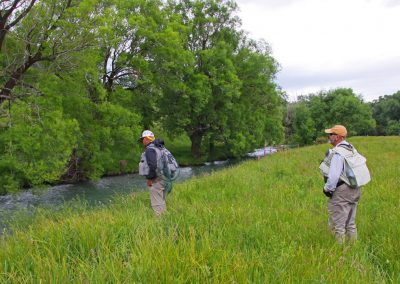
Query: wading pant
[
  {"x": 157, "y": 196},
  {"x": 342, "y": 208}
]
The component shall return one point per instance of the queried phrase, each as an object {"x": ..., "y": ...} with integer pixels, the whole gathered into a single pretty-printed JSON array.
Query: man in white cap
[
  {"x": 149, "y": 167},
  {"x": 343, "y": 199}
]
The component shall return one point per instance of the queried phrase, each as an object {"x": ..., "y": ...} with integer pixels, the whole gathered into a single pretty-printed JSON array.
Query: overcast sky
[{"x": 326, "y": 44}]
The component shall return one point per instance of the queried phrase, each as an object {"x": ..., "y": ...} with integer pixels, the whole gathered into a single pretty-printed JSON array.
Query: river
[
  {"x": 93, "y": 192},
  {"x": 96, "y": 193}
]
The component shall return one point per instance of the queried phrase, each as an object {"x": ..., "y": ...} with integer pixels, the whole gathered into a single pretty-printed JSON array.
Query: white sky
[{"x": 326, "y": 44}]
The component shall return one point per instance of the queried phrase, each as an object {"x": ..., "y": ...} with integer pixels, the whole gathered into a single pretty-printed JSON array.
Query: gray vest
[{"x": 326, "y": 163}]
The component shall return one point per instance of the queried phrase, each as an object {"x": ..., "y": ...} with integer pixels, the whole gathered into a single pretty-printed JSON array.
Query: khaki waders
[
  {"x": 342, "y": 208},
  {"x": 158, "y": 196}
]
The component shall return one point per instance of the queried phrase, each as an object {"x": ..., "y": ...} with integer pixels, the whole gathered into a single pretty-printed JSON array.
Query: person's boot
[
  {"x": 340, "y": 238},
  {"x": 351, "y": 237}
]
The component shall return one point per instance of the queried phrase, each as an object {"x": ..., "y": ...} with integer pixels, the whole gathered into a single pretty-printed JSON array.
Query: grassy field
[{"x": 262, "y": 221}]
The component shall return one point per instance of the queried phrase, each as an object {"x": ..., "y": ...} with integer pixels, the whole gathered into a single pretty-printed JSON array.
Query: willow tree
[
  {"x": 256, "y": 117},
  {"x": 11, "y": 13},
  {"x": 39, "y": 48},
  {"x": 49, "y": 32},
  {"x": 139, "y": 44},
  {"x": 203, "y": 101},
  {"x": 227, "y": 96}
]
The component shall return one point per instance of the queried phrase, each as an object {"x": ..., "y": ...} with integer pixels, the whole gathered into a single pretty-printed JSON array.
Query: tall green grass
[{"x": 263, "y": 221}]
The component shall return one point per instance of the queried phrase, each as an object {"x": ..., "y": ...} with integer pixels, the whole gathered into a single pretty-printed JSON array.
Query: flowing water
[
  {"x": 92, "y": 192},
  {"x": 96, "y": 193}
]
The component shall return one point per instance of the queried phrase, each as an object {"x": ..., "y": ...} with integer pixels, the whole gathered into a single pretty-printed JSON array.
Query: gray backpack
[
  {"x": 355, "y": 172},
  {"x": 167, "y": 166},
  {"x": 355, "y": 166}
]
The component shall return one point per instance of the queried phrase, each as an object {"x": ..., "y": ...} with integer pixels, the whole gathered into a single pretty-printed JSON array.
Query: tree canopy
[
  {"x": 386, "y": 112},
  {"x": 316, "y": 112},
  {"x": 80, "y": 79}
]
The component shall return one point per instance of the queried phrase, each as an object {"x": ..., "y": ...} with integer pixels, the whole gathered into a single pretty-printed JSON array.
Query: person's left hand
[
  {"x": 327, "y": 193},
  {"x": 149, "y": 182}
]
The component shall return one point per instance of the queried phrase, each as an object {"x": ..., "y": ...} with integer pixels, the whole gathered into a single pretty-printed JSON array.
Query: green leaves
[
  {"x": 314, "y": 113},
  {"x": 215, "y": 101},
  {"x": 81, "y": 79},
  {"x": 39, "y": 143},
  {"x": 386, "y": 112}
]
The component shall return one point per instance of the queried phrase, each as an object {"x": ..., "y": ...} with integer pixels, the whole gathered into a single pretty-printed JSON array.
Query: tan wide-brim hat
[{"x": 338, "y": 130}]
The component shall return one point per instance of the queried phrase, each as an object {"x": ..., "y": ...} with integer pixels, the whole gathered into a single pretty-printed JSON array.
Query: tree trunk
[
  {"x": 15, "y": 14},
  {"x": 74, "y": 170},
  {"x": 196, "y": 138},
  {"x": 2, "y": 36},
  {"x": 13, "y": 81},
  {"x": 211, "y": 149}
]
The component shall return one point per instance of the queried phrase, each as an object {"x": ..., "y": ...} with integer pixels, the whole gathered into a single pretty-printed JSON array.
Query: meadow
[{"x": 263, "y": 221}]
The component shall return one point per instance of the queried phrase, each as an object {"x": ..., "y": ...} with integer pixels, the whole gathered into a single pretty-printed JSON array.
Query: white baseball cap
[{"x": 147, "y": 133}]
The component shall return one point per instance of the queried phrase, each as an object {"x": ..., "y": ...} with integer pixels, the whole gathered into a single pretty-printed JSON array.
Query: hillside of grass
[{"x": 262, "y": 221}]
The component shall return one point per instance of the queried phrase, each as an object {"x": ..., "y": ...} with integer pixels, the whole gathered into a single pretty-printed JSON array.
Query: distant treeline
[
  {"x": 79, "y": 81},
  {"x": 306, "y": 118}
]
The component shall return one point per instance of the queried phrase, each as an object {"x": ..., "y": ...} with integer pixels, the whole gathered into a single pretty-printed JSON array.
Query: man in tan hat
[
  {"x": 342, "y": 203},
  {"x": 149, "y": 167}
]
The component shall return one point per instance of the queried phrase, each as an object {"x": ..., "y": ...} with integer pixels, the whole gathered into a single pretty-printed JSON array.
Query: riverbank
[
  {"x": 181, "y": 152},
  {"x": 262, "y": 221},
  {"x": 24, "y": 204}
]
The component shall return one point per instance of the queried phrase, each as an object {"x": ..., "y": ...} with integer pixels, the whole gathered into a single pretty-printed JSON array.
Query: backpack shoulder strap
[
  {"x": 348, "y": 147},
  {"x": 344, "y": 150}
]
